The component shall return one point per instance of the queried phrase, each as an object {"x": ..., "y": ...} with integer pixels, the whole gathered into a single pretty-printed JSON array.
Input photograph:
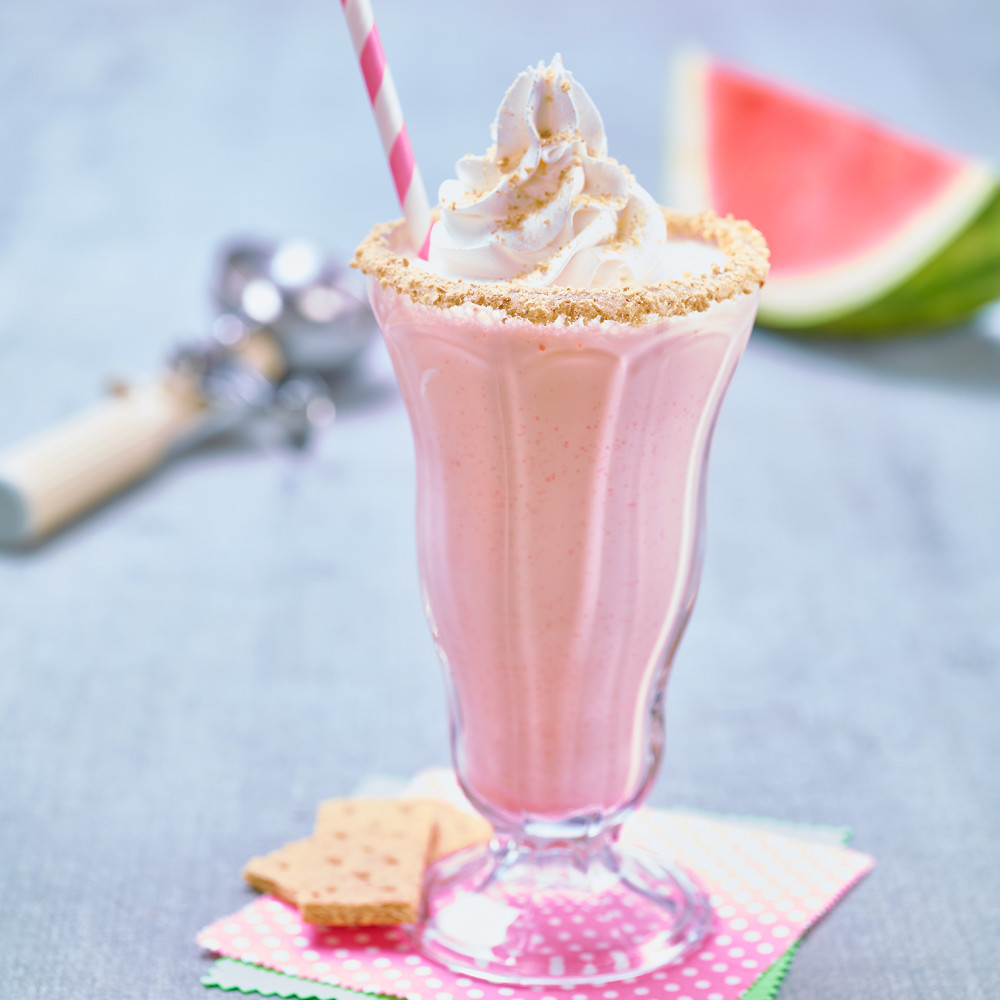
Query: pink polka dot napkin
[{"x": 767, "y": 888}]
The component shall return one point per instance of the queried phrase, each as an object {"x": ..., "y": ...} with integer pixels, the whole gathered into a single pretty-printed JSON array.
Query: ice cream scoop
[{"x": 288, "y": 318}]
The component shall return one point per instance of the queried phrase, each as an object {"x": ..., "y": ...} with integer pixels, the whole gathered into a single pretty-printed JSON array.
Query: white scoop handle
[{"x": 56, "y": 476}]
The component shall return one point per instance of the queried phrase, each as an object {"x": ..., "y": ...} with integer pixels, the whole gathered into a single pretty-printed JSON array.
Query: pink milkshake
[
  {"x": 563, "y": 356},
  {"x": 560, "y": 475}
]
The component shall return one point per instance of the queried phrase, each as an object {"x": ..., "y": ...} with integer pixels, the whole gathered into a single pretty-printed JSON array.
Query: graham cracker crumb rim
[{"x": 743, "y": 273}]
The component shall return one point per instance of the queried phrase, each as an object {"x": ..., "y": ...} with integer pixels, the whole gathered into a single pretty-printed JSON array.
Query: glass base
[{"x": 559, "y": 913}]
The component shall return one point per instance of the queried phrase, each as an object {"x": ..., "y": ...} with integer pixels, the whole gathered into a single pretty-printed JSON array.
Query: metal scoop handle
[{"x": 63, "y": 472}]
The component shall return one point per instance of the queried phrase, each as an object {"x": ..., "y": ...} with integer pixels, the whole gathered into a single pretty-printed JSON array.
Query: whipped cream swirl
[{"x": 546, "y": 204}]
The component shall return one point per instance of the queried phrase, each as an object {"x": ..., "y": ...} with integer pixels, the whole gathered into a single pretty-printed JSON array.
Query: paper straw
[{"x": 389, "y": 119}]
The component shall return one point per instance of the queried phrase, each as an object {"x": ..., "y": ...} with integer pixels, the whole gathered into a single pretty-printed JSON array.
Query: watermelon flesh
[
  {"x": 856, "y": 215},
  {"x": 813, "y": 219}
]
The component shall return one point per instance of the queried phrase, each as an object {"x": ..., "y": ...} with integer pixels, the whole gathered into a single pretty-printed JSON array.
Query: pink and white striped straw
[{"x": 389, "y": 119}]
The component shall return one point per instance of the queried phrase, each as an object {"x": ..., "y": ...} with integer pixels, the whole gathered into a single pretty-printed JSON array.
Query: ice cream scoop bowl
[{"x": 560, "y": 489}]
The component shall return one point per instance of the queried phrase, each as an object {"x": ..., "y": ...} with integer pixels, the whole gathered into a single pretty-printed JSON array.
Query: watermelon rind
[
  {"x": 936, "y": 269},
  {"x": 831, "y": 297},
  {"x": 948, "y": 291}
]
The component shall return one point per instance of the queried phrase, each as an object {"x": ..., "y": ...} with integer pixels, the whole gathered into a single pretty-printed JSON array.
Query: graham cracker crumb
[{"x": 381, "y": 254}]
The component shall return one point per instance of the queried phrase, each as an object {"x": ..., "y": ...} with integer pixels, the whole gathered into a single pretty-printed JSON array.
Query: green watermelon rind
[
  {"x": 947, "y": 291},
  {"x": 819, "y": 299},
  {"x": 968, "y": 230}
]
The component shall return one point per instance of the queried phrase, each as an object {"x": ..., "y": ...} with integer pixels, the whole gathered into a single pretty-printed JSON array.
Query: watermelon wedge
[{"x": 872, "y": 232}]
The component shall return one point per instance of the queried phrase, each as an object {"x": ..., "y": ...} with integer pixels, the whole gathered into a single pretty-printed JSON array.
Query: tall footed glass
[{"x": 560, "y": 495}]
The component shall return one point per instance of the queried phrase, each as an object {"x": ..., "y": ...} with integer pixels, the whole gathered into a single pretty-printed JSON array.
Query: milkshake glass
[{"x": 561, "y": 440}]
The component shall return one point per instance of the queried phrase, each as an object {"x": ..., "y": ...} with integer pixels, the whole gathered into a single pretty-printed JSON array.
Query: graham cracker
[
  {"x": 281, "y": 872},
  {"x": 456, "y": 830},
  {"x": 365, "y": 862},
  {"x": 368, "y": 862}
]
